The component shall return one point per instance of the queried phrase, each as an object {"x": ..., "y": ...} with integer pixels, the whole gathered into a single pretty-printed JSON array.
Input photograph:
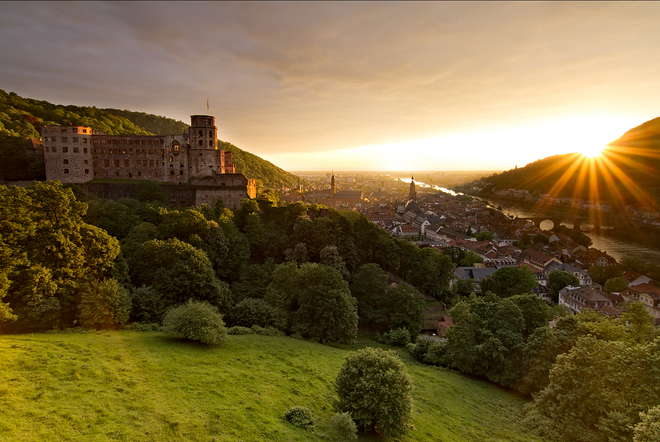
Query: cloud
[{"x": 312, "y": 76}]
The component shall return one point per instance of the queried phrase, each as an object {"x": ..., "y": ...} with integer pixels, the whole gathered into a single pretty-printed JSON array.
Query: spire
[
  {"x": 332, "y": 185},
  {"x": 412, "y": 194}
]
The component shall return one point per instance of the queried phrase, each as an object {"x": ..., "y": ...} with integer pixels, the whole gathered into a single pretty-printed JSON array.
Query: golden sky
[{"x": 353, "y": 85}]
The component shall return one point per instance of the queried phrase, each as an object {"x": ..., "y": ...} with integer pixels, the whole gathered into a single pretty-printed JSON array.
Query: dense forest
[
  {"x": 625, "y": 174},
  {"x": 22, "y": 118}
]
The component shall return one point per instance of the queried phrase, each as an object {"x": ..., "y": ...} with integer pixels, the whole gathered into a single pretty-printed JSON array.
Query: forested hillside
[
  {"x": 626, "y": 173},
  {"x": 22, "y": 118}
]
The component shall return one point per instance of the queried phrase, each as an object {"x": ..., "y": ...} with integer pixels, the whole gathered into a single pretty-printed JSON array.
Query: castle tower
[
  {"x": 203, "y": 133},
  {"x": 412, "y": 194}
]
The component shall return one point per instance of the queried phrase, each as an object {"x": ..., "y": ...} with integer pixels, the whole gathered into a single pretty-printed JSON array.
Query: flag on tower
[{"x": 207, "y": 104}]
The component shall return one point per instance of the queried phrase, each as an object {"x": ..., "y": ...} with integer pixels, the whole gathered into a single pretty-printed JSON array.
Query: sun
[{"x": 592, "y": 150}]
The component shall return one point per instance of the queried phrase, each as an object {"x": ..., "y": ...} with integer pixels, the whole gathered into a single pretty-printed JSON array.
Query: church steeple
[
  {"x": 412, "y": 194},
  {"x": 332, "y": 185}
]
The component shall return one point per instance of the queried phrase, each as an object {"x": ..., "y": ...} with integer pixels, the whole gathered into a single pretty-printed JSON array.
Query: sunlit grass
[{"x": 142, "y": 387}]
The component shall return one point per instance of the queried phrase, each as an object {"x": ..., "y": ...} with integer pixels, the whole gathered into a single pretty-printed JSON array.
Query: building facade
[{"x": 75, "y": 154}]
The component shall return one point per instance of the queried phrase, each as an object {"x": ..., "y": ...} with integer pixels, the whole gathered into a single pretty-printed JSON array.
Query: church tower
[
  {"x": 413, "y": 193},
  {"x": 332, "y": 185}
]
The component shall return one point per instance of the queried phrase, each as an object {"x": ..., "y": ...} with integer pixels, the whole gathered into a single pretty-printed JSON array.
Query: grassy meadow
[{"x": 130, "y": 386}]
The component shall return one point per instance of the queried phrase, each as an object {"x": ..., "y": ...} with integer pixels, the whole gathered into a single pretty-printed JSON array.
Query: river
[{"x": 615, "y": 247}]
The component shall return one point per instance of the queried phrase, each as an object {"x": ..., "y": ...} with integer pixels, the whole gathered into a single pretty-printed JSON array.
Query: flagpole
[{"x": 207, "y": 106}]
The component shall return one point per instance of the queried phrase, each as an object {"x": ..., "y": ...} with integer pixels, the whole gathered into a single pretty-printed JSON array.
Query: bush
[
  {"x": 238, "y": 330},
  {"x": 253, "y": 311},
  {"x": 104, "y": 305},
  {"x": 399, "y": 336},
  {"x": 375, "y": 389},
  {"x": 344, "y": 426},
  {"x": 300, "y": 417},
  {"x": 267, "y": 331},
  {"x": 427, "y": 350},
  {"x": 145, "y": 327},
  {"x": 197, "y": 321}
]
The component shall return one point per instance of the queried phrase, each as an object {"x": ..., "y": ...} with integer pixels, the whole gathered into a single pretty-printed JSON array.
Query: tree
[
  {"x": 558, "y": 279},
  {"x": 374, "y": 387},
  {"x": 104, "y": 304},
  {"x": 648, "y": 428},
  {"x": 484, "y": 236},
  {"x": 639, "y": 322},
  {"x": 615, "y": 285},
  {"x": 405, "y": 308},
  {"x": 51, "y": 254},
  {"x": 600, "y": 275},
  {"x": 178, "y": 271},
  {"x": 514, "y": 281},
  {"x": 370, "y": 288},
  {"x": 313, "y": 300}
]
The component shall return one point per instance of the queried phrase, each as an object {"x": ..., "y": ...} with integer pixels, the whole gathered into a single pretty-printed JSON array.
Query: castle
[{"x": 203, "y": 174}]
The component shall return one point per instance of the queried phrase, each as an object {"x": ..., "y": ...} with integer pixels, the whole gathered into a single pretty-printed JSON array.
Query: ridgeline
[{"x": 22, "y": 118}]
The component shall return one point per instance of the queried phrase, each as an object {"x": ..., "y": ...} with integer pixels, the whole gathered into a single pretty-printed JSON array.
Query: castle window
[
  {"x": 126, "y": 163},
  {"x": 52, "y": 138},
  {"x": 65, "y": 149},
  {"x": 63, "y": 129},
  {"x": 84, "y": 131},
  {"x": 210, "y": 133},
  {"x": 66, "y": 161},
  {"x": 87, "y": 171},
  {"x": 54, "y": 149},
  {"x": 200, "y": 133},
  {"x": 181, "y": 172},
  {"x": 66, "y": 170},
  {"x": 75, "y": 139},
  {"x": 85, "y": 150},
  {"x": 123, "y": 151},
  {"x": 52, "y": 129},
  {"x": 139, "y": 173},
  {"x": 151, "y": 163},
  {"x": 201, "y": 143},
  {"x": 116, "y": 163},
  {"x": 63, "y": 138},
  {"x": 76, "y": 150},
  {"x": 210, "y": 143},
  {"x": 85, "y": 140},
  {"x": 171, "y": 172},
  {"x": 86, "y": 162},
  {"x": 130, "y": 150},
  {"x": 180, "y": 164},
  {"x": 95, "y": 141},
  {"x": 46, "y": 149},
  {"x": 171, "y": 159}
]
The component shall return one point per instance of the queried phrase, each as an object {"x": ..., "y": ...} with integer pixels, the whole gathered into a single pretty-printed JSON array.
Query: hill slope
[
  {"x": 625, "y": 174},
  {"x": 24, "y": 117},
  {"x": 142, "y": 387}
]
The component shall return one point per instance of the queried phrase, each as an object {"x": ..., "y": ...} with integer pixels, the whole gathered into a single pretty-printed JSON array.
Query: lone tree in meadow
[{"x": 374, "y": 387}]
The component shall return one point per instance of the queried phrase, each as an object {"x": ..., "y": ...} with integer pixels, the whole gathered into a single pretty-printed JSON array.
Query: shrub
[
  {"x": 427, "y": 350},
  {"x": 253, "y": 311},
  {"x": 267, "y": 331},
  {"x": 145, "y": 327},
  {"x": 300, "y": 417},
  {"x": 104, "y": 305},
  {"x": 238, "y": 330},
  {"x": 344, "y": 426},
  {"x": 197, "y": 321},
  {"x": 399, "y": 336},
  {"x": 374, "y": 387}
]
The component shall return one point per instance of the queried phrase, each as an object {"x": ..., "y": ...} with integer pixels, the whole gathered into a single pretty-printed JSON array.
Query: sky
[{"x": 404, "y": 86}]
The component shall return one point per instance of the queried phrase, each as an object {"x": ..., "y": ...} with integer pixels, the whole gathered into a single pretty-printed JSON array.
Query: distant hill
[
  {"x": 22, "y": 118},
  {"x": 626, "y": 174}
]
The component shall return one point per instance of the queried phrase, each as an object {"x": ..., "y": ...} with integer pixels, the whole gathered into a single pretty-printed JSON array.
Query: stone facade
[{"x": 75, "y": 154}]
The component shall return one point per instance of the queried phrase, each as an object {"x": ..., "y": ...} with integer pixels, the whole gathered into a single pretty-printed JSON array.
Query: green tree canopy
[{"x": 374, "y": 387}]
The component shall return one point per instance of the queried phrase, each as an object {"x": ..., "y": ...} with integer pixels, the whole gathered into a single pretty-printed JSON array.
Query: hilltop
[
  {"x": 22, "y": 118},
  {"x": 626, "y": 174}
]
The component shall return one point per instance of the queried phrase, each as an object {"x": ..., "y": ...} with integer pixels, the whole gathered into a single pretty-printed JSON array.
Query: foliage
[
  {"x": 49, "y": 254},
  {"x": 238, "y": 330},
  {"x": 558, "y": 279},
  {"x": 251, "y": 311},
  {"x": 344, "y": 426},
  {"x": 16, "y": 164},
  {"x": 370, "y": 288},
  {"x": 104, "y": 304},
  {"x": 313, "y": 300},
  {"x": 374, "y": 387},
  {"x": 597, "y": 390},
  {"x": 648, "y": 428},
  {"x": 399, "y": 336},
  {"x": 300, "y": 417},
  {"x": 177, "y": 271},
  {"x": 196, "y": 321},
  {"x": 427, "y": 350},
  {"x": 148, "y": 305},
  {"x": 405, "y": 308},
  {"x": 471, "y": 257},
  {"x": 615, "y": 285},
  {"x": 509, "y": 281},
  {"x": 600, "y": 275}
]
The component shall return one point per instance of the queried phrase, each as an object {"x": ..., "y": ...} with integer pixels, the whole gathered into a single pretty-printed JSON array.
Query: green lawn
[{"x": 132, "y": 386}]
